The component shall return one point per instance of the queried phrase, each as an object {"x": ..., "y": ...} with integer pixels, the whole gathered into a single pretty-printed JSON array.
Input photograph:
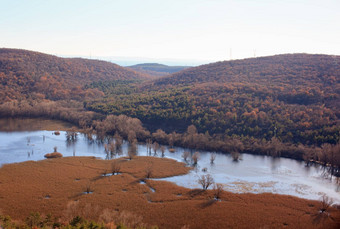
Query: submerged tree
[
  {"x": 155, "y": 147},
  {"x": 212, "y": 158},
  {"x": 195, "y": 157},
  {"x": 148, "y": 146},
  {"x": 132, "y": 151},
  {"x": 163, "y": 151},
  {"x": 236, "y": 156},
  {"x": 185, "y": 155}
]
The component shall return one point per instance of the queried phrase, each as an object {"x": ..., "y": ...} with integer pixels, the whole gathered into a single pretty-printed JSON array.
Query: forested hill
[
  {"x": 25, "y": 73},
  {"x": 157, "y": 70},
  {"x": 294, "y": 97},
  {"x": 293, "y": 69},
  {"x": 294, "y": 78}
]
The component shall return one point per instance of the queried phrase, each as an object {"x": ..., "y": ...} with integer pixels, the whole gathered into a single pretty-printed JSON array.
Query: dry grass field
[
  {"x": 71, "y": 186},
  {"x": 30, "y": 124}
]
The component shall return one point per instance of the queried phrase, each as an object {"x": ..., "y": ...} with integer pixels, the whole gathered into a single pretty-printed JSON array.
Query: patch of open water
[{"x": 254, "y": 173}]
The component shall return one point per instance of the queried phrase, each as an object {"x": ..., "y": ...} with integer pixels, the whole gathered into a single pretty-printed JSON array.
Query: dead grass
[
  {"x": 53, "y": 155},
  {"x": 17, "y": 124},
  {"x": 24, "y": 187}
]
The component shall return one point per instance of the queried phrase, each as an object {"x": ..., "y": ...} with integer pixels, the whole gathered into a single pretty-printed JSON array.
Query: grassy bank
[{"x": 84, "y": 186}]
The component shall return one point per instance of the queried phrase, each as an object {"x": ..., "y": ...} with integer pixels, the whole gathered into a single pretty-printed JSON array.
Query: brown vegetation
[
  {"x": 26, "y": 74},
  {"x": 30, "y": 124},
  {"x": 57, "y": 186},
  {"x": 235, "y": 106},
  {"x": 157, "y": 70},
  {"x": 269, "y": 104},
  {"x": 53, "y": 155}
]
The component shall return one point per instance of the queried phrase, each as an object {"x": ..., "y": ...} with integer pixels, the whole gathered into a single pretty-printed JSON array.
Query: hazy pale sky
[{"x": 204, "y": 30}]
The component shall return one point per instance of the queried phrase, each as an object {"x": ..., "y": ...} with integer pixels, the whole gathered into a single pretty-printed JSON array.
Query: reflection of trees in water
[
  {"x": 274, "y": 163},
  {"x": 113, "y": 146},
  {"x": 337, "y": 181},
  {"x": 132, "y": 149},
  {"x": 71, "y": 139}
]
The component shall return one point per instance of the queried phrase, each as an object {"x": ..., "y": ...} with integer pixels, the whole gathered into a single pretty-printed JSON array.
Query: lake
[{"x": 254, "y": 173}]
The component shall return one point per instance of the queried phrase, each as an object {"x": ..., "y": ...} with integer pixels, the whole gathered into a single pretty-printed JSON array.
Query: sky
[{"x": 185, "y": 32}]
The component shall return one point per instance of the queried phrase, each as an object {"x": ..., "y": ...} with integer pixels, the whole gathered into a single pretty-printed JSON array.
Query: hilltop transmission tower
[
  {"x": 230, "y": 53},
  {"x": 254, "y": 50}
]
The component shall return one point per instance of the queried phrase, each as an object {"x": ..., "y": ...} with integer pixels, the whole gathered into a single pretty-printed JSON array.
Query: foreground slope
[
  {"x": 295, "y": 97},
  {"x": 59, "y": 186},
  {"x": 28, "y": 74}
]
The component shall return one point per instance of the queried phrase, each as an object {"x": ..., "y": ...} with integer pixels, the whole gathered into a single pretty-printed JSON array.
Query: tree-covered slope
[
  {"x": 27, "y": 74},
  {"x": 293, "y": 97}
]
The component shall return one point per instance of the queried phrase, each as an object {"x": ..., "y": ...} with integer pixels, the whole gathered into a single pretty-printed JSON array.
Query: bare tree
[
  {"x": 163, "y": 151},
  {"x": 236, "y": 156},
  {"x": 324, "y": 211},
  {"x": 148, "y": 146},
  {"x": 106, "y": 149},
  {"x": 112, "y": 147},
  {"x": 148, "y": 172},
  {"x": 160, "y": 136},
  {"x": 131, "y": 155},
  {"x": 195, "y": 157},
  {"x": 190, "y": 137},
  {"x": 118, "y": 140},
  {"x": 212, "y": 158},
  {"x": 325, "y": 204},
  {"x": 171, "y": 140},
  {"x": 131, "y": 136},
  {"x": 155, "y": 147},
  {"x": 185, "y": 155},
  {"x": 218, "y": 189},
  {"x": 132, "y": 149},
  {"x": 206, "y": 181},
  {"x": 71, "y": 135},
  {"x": 115, "y": 168}
]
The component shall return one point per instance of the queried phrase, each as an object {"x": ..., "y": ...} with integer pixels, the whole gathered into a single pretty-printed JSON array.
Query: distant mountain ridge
[
  {"x": 155, "y": 69},
  {"x": 286, "y": 67},
  {"x": 25, "y": 73}
]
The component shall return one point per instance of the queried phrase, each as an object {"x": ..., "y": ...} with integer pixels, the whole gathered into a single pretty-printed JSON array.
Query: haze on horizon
[{"x": 189, "y": 31}]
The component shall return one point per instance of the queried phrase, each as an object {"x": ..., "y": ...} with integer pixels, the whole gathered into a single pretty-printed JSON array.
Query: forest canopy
[{"x": 294, "y": 97}]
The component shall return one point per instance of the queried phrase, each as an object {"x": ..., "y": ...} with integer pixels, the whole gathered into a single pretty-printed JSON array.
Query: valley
[{"x": 272, "y": 112}]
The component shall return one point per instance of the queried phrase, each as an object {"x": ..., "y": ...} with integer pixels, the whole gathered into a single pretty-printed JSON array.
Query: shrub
[
  {"x": 206, "y": 181},
  {"x": 115, "y": 167},
  {"x": 218, "y": 189}
]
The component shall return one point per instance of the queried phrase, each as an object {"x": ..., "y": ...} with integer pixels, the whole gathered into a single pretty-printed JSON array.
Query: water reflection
[{"x": 251, "y": 174}]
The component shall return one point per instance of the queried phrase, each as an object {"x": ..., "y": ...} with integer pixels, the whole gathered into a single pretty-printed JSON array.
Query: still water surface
[{"x": 255, "y": 174}]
